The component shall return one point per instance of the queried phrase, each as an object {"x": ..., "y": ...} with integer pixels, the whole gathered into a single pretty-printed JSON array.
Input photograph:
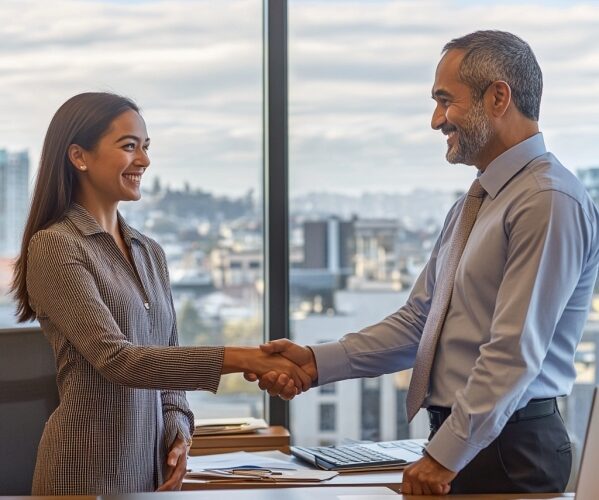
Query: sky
[{"x": 360, "y": 75}]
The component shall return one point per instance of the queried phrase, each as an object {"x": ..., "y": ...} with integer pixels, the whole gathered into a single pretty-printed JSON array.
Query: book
[{"x": 275, "y": 437}]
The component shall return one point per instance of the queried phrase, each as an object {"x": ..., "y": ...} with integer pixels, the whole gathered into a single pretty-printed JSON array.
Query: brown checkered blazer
[{"x": 120, "y": 371}]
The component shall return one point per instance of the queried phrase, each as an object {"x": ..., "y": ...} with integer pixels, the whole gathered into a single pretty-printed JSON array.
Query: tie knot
[{"x": 476, "y": 190}]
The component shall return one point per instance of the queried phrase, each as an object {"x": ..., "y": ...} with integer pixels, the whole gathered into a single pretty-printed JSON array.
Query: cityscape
[{"x": 353, "y": 260}]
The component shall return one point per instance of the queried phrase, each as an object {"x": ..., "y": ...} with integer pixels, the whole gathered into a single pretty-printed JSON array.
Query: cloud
[{"x": 359, "y": 79}]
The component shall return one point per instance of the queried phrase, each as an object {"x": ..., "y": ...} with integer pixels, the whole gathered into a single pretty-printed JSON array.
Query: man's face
[{"x": 462, "y": 120}]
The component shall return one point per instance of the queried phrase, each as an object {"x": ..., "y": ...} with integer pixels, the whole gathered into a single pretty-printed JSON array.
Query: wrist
[{"x": 236, "y": 359}]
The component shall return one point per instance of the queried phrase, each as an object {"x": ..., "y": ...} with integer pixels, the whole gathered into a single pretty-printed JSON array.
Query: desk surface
[
  {"x": 318, "y": 493},
  {"x": 390, "y": 479}
]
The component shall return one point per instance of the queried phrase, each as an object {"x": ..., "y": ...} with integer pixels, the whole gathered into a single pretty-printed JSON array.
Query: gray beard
[{"x": 473, "y": 137}]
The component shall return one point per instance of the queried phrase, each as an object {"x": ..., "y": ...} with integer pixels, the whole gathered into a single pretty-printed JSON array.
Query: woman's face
[{"x": 117, "y": 163}]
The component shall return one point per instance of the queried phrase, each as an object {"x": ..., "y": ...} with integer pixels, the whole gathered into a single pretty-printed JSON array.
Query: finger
[
  {"x": 174, "y": 475},
  {"x": 275, "y": 346},
  {"x": 426, "y": 488},
  {"x": 279, "y": 385},
  {"x": 446, "y": 489},
  {"x": 173, "y": 458},
  {"x": 179, "y": 474},
  {"x": 306, "y": 380},
  {"x": 168, "y": 485},
  {"x": 268, "y": 380},
  {"x": 250, "y": 377},
  {"x": 416, "y": 488},
  {"x": 289, "y": 391},
  {"x": 406, "y": 487}
]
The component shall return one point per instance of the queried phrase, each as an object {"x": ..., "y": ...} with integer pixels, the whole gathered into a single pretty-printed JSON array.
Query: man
[{"x": 494, "y": 319}]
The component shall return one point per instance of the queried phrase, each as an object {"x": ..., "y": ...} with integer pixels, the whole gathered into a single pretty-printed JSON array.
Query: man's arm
[
  {"x": 547, "y": 238},
  {"x": 385, "y": 347}
]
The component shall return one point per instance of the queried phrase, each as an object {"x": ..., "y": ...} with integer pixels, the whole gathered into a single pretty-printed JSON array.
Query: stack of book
[{"x": 228, "y": 435}]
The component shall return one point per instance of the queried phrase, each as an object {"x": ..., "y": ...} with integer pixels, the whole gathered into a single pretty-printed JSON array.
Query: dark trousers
[{"x": 531, "y": 455}]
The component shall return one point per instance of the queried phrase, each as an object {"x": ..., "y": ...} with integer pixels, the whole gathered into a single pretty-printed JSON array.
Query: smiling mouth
[{"x": 133, "y": 177}]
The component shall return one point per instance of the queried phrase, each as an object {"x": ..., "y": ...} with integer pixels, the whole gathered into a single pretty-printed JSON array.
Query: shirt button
[{"x": 147, "y": 305}]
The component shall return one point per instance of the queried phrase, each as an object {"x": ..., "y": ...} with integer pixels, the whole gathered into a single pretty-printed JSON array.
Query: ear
[
  {"x": 77, "y": 156},
  {"x": 499, "y": 97}
]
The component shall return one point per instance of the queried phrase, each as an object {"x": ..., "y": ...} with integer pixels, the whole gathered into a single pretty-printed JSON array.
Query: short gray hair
[{"x": 498, "y": 55}]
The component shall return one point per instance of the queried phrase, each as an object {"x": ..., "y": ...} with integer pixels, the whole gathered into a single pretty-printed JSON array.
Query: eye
[
  {"x": 130, "y": 146},
  {"x": 146, "y": 147}
]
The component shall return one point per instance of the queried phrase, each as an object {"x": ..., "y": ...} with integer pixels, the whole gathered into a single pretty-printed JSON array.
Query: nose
[
  {"x": 143, "y": 159},
  {"x": 438, "y": 119}
]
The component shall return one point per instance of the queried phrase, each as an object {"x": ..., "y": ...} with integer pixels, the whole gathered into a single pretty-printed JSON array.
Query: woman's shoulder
[{"x": 58, "y": 232}]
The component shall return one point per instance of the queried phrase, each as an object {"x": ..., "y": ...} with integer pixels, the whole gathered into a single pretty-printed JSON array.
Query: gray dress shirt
[
  {"x": 520, "y": 300},
  {"x": 120, "y": 372}
]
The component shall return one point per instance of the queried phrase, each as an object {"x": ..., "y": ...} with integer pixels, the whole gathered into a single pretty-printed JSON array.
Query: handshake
[{"x": 281, "y": 367}]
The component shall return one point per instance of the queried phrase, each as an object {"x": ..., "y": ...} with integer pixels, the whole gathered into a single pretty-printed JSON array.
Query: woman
[{"x": 100, "y": 290}]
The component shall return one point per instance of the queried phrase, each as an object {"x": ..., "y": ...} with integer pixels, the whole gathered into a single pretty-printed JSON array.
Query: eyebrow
[
  {"x": 440, "y": 93},
  {"x": 132, "y": 137}
]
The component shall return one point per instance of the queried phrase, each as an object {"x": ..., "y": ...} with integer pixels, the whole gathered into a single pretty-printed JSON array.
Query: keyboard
[{"x": 361, "y": 457}]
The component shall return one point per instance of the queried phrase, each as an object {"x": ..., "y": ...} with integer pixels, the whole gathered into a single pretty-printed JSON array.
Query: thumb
[
  {"x": 275, "y": 346},
  {"x": 173, "y": 457}
]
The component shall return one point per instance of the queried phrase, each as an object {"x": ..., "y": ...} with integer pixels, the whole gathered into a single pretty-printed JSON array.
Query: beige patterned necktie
[{"x": 419, "y": 382}]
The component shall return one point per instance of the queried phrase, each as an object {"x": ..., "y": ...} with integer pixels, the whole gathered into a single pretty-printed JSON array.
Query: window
[
  {"x": 369, "y": 185},
  {"x": 195, "y": 68},
  {"x": 328, "y": 389},
  {"x": 328, "y": 416}
]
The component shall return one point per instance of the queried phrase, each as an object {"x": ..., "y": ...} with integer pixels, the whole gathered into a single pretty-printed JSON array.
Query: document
[
  {"x": 237, "y": 460},
  {"x": 368, "y": 497},
  {"x": 220, "y": 426},
  {"x": 243, "y": 466},
  {"x": 269, "y": 475}
]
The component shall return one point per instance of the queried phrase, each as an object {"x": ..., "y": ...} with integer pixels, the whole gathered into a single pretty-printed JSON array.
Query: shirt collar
[
  {"x": 510, "y": 162},
  {"x": 87, "y": 225}
]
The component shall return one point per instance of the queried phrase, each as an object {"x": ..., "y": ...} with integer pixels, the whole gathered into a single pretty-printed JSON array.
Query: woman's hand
[
  {"x": 254, "y": 360},
  {"x": 176, "y": 466}
]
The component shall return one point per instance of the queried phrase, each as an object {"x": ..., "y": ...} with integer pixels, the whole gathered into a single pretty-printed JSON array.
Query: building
[
  {"x": 359, "y": 409},
  {"x": 14, "y": 200},
  {"x": 590, "y": 178}
]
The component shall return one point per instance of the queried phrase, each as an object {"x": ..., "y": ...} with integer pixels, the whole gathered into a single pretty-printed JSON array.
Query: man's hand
[
  {"x": 256, "y": 361},
  {"x": 176, "y": 466},
  {"x": 281, "y": 385},
  {"x": 427, "y": 477}
]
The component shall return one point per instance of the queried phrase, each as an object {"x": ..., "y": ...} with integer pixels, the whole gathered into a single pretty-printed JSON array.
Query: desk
[
  {"x": 291, "y": 494},
  {"x": 389, "y": 479}
]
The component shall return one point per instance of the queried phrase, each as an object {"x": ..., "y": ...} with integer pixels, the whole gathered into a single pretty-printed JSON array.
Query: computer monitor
[{"x": 587, "y": 487}]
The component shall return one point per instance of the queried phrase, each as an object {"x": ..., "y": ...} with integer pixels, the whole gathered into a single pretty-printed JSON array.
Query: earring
[{"x": 82, "y": 167}]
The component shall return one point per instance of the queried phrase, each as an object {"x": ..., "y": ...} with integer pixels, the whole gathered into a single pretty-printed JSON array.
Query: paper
[
  {"x": 244, "y": 466},
  {"x": 369, "y": 497},
  {"x": 237, "y": 460},
  {"x": 220, "y": 426},
  {"x": 301, "y": 476}
]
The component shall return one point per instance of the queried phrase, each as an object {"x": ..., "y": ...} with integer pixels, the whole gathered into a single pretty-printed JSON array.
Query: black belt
[{"x": 535, "y": 408}]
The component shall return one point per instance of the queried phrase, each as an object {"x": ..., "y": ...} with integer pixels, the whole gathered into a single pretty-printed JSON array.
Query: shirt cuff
[
  {"x": 332, "y": 362},
  {"x": 451, "y": 451}
]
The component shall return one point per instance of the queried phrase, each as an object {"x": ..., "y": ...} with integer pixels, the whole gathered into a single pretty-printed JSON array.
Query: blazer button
[{"x": 147, "y": 306}]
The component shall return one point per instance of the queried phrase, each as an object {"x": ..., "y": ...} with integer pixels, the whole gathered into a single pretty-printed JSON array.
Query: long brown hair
[{"x": 81, "y": 120}]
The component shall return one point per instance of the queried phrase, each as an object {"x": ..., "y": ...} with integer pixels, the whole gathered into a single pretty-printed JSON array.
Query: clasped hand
[{"x": 280, "y": 382}]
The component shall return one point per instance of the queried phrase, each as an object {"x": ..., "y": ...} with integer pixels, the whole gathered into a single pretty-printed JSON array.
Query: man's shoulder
[{"x": 547, "y": 173}]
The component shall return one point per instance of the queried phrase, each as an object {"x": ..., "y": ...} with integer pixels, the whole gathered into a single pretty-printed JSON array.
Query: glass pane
[
  {"x": 370, "y": 186},
  {"x": 195, "y": 68}
]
